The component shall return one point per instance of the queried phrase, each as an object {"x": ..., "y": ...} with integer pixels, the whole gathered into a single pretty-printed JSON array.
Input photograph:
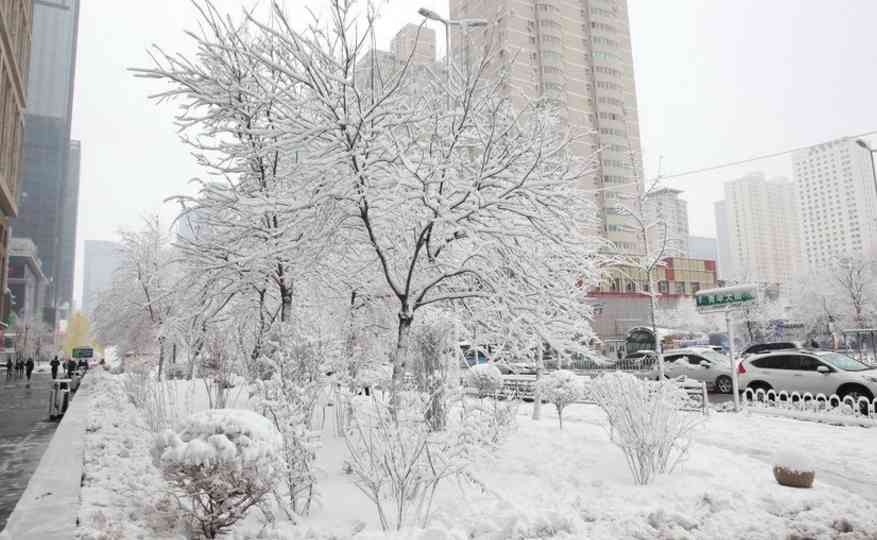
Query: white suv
[
  {"x": 808, "y": 371},
  {"x": 702, "y": 364}
]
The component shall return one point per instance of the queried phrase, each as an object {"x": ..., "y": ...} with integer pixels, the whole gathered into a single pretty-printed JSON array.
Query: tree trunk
[
  {"x": 160, "y": 356},
  {"x": 400, "y": 358}
]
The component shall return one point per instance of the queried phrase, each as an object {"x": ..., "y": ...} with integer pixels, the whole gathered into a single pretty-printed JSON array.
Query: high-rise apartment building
[
  {"x": 701, "y": 247},
  {"x": 758, "y": 230},
  {"x": 50, "y": 168},
  {"x": 664, "y": 206},
  {"x": 837, "y": 200},
  {"x": 102, "y": 258},
  {"x": 15, "y": 45},
  {"x": 578, "y": 53},
  {"x": 415, "y": 42}
]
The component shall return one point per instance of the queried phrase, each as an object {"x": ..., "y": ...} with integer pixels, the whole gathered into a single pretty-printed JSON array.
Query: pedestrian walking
[
  {"x": 28, "y": 367},
  {"x": 8, "y": 368},
  {"x": 19, "y": 367},
  {"x": 71, "y": 367},
  {"x": 55, "y": 363}
]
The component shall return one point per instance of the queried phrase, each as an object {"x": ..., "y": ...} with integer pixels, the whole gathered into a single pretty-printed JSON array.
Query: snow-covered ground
[{"x": 542, "y": 483}]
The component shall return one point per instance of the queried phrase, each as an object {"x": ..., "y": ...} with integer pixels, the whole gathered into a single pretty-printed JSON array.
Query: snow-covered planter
[
  {"x": 485, "y": 379},
  {"x": 221, "y": 463},
  {"x": 646, "y": 420},
  {"x": 561, "y": 388},
  {"x": 793, "y": 469}
]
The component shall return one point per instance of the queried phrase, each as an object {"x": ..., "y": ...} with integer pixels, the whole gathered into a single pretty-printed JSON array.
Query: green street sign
[
  {"x": 725, "y": 297},
  {"x": 83, "y": 352}
]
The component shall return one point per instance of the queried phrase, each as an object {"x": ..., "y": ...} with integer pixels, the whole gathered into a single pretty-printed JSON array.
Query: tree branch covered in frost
[{"x": 646, "y": 422}]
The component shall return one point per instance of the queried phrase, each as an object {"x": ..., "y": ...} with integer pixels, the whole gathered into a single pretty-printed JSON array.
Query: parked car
[
  {"x": 643, "y": 359},
  {"x": 761, "y": 348},
  {"x": 817, "y": 372},
  {"x": 701, "y": 364}
]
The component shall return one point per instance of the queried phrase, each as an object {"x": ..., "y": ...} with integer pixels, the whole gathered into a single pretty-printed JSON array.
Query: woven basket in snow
[{"x": 786, "y": 477}]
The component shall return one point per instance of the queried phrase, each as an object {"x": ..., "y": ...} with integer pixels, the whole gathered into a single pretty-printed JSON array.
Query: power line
[{"x": 751, "y": 159}]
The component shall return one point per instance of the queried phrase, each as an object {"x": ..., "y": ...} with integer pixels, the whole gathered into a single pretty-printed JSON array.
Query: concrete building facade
[
  {"x": 757, "y": 229},
  {"x": 27, "y": 282},
  {"x": 577, "y": 53},
  {"x": 701, "y": 247},
  {"x": 836, "y": 194},
  {"x": 665, "y": 206},
  {"x": 102, "y": 258},
  {"x": 15, "y": 44},
  {"x": 415, "y": 42},
  {"x": 50, "y": 177}
]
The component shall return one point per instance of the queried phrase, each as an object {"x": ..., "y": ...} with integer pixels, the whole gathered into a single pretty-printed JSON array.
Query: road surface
[{"x": 25, "y": 432}]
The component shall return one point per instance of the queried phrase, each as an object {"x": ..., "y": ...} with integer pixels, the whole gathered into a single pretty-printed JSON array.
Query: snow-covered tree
[
  {"x": 562, "y": 388},
  {"x": 478, "y": 201},
  {"x": 485, "y": 379},
  {"x": 132, "y": 313}
]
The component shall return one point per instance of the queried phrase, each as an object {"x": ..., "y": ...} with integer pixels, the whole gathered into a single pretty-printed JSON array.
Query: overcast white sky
[{"x": 717, "y": 81}]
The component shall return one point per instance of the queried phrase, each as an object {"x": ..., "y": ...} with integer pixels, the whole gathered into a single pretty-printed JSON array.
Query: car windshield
[
  {"x": 709, "y": 354},
  {"x": 841, "y": 361}
]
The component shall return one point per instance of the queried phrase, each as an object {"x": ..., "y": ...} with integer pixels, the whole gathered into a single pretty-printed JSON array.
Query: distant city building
[
  {"x": 102, "y": 258},
  {"x": 15, "y": 44},
  {"x": 49, "y": 186},
  {"x": 27, "y": 282},
  {"x": 701, "y": 247},
  {"x": 837, "y": 200},
  {"x": 415, "y": 42},
  {"x": 621, "y": 305},
  {"x": 665, "y": 206},
  {"x": 577, "y": 54},
  {"x": 759, "y": 229},
  {"x": 724, "y": 259}
]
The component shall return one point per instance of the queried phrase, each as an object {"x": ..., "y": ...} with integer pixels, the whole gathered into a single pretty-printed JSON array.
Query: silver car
[{"x": 701, "y": 364}]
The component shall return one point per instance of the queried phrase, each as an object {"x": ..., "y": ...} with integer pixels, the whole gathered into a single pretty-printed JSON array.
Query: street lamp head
[
  {"x": 430, "y": 14},
  {"x": 471, "y": 23}
]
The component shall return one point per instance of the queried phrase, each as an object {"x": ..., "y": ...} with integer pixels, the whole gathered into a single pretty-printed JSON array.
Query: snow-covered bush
[
  {"x": 792, "y": 461},
  {"x": 398, "y": 463},
  {"x": 430, "y": 364},
  {"x": 289, "y": 398},
  {"x": 561, "y": 388},
  {"x": 223, "y": 461},
  {"x": 646, "y": 421},
  {"x": 485, "y": 379}
]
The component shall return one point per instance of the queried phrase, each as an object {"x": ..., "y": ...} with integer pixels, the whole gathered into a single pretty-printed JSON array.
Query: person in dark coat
[
  {"x": 19, "y": 367},
  {"x": 71, "y": 367},
  {"x": 55, "y": 363},
  {"x": 28, "y": 368},
  {"x": 9, "y": 368}
]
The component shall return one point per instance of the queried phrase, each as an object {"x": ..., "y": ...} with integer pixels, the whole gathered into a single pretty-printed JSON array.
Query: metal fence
[
  {"x": 818, "y": 407},
  {"x": 522, "y": 387}
]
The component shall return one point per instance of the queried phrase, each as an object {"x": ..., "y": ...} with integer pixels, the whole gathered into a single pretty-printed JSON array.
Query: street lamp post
[{"x": 463, "y": 23}]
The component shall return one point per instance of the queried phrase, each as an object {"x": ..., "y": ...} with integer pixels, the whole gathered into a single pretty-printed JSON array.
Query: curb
[{"x": 49, "y": 507}]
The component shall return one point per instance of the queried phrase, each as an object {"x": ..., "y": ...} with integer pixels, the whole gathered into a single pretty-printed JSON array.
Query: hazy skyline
[{"x": 716, "y": 82}]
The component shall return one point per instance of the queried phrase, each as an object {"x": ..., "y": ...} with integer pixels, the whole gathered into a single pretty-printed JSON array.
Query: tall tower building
[
  {"x": 101, "y": 260},
  {"x": 665, "y": 206},
  {"x": 759, "y": 230},
  {"x": 837, "y": 200},
  {"x": 49, "y": 176},
  {"x": 15, "y": 44},
  {"x": 407, "y": 43},
  {"x": 578, "y": 53}
]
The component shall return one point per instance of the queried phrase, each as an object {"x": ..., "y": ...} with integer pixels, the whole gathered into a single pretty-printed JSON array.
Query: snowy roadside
[{"x": 543, "y": 483}]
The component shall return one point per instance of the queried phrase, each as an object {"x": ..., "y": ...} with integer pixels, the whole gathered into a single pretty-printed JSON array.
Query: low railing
[
  {"x": 849, "y": 409},
  {"x": 522, "y": 387}
]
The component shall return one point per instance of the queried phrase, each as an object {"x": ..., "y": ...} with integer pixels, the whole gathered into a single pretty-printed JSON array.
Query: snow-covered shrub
[
  {"x": 430, "y": 364},
  {"x": 485, "y": 379},
  {"x": 561, "y": 388},
  {"x": 399, "y": 462},
  {"x": 792, "y": 460},
  {"x": 224, "y": 461},
  {"x": 289, "y": 398},
  {"x": 488, "y": 425},
  {"x": 646, "y": 421}
]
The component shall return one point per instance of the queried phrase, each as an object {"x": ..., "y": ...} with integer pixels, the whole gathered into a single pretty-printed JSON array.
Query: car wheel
[{"x": 724, "y": 384}]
